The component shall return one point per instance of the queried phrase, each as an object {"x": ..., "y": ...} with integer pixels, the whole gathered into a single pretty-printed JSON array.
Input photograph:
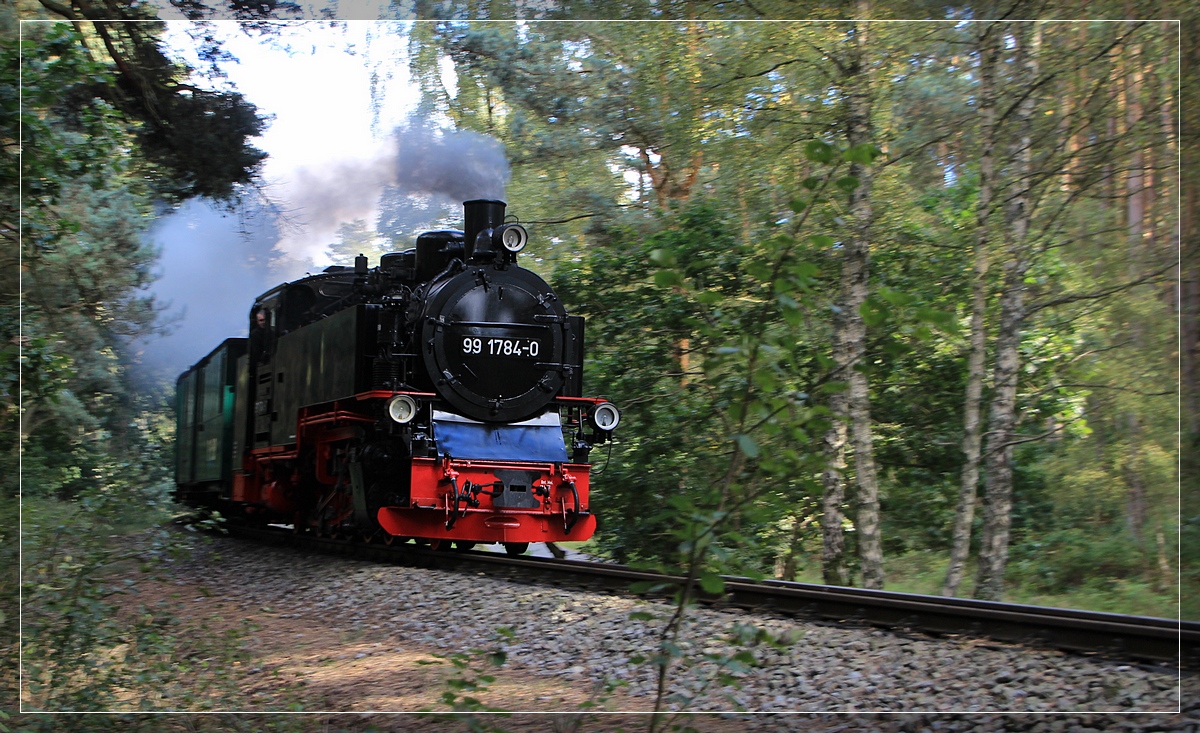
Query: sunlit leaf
[
  {"x": 662, "y": 257},
  {"x": 667, "y": 278},
  {"x": 847, "y": 183},
  {"x": 864, "y": 153},
  {"x": 747, "y": 445},
  {"x": 819, "y": 151},
  {"x": 712, "y": 583},
  {"x": 759, "y": 271}
]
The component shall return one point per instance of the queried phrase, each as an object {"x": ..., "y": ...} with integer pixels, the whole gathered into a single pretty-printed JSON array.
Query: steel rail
[{"x": 1158, "y": 641}]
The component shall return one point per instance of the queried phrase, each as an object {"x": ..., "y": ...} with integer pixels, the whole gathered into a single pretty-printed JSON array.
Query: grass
[{"x": 87, "y": 650}]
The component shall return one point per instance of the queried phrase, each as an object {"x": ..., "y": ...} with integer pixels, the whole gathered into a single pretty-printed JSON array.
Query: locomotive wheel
[
  {"x": 516, "y": 548},
  {"x": 463, "y": 546},
  {"x": 440, "y": 545}
]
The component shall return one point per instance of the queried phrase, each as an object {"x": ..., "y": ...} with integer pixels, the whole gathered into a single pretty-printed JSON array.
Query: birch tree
[
  {"x": 851, "y": 409},
  {"x": 988, "y": 42},
  {"x": 993, "y": 553}
]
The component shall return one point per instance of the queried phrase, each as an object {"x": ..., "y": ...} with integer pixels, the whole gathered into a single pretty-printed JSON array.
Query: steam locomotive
[{"x": 436, "y": 397}]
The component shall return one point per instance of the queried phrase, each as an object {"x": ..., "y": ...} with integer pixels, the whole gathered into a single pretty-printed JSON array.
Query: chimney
[{"x": 480, "y": 215}]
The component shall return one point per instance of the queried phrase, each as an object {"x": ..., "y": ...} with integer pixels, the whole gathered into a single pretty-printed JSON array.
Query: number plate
[{"x": 511, "y": 347}]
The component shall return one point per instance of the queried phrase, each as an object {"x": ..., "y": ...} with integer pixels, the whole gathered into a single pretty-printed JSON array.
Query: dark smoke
[{"x": 458, "y": 165}]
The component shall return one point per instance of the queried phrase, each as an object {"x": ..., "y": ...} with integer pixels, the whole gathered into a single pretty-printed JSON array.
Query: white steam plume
[{"x": 420, "y": 161}]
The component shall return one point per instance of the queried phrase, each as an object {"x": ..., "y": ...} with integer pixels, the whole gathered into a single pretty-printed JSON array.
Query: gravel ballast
[{"x": 585, "y": 640}]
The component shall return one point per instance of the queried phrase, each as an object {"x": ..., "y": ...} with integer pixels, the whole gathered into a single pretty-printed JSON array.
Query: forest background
[{"x": 908, "y": 305}]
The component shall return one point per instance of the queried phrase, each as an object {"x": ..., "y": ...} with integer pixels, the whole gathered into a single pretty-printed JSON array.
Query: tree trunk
[
  {"x": 851, "y": 408},
  {"x": 1189, "y": 331},
  {"x": 795, "y": 549},
  {"x": 855, "y": 274},
  {"x": 997, "y": 515},
  {"x": 964, "y": 515},
  {"x": 668, "y": 183},
  {"x": 1135, "y": 197},
  {"x": 1188, "y": 248},
  {"x": 833, "y": 540}
]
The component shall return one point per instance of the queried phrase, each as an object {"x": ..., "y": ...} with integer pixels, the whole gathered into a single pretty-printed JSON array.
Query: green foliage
[
  {"x": 923, "y": 571},
  {"x": 192, "y": 141},
  {"x": 101, "y": 135},
  {"x": 671, "y": 349},
  {"x": 78, "y": 652},
  {"x": 200, "y": 142},
  {"x": 471, "y": 678},
  {"x": 693, "y": 318},
  {"x": 85, "y": 264},
  {"x": 70, "y": 142},
  {"x": 1069, "y": 558}
]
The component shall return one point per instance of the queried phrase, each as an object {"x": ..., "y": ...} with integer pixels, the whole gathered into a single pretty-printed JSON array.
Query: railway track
[{"x": 1158, "y": 641}]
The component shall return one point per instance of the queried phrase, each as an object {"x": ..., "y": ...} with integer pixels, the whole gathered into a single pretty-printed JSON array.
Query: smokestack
[{"x": 479, "y": 215}]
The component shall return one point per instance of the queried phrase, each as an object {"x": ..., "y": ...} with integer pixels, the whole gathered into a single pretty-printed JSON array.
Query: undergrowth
[{"x": 90, "y": 656}]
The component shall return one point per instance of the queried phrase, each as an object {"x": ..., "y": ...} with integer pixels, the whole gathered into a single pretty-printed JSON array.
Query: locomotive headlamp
[
  {"x": 512, "y": 237},
  {"x": 605, "y": 416},
  {"x": 402, "y": 408}
]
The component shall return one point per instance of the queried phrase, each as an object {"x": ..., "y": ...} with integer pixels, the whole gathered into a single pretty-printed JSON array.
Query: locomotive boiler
[{"x": 437, "y": 396}]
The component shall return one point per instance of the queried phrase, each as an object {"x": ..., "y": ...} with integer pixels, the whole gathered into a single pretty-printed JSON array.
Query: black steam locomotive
[{"x": 437, "y": 396}]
